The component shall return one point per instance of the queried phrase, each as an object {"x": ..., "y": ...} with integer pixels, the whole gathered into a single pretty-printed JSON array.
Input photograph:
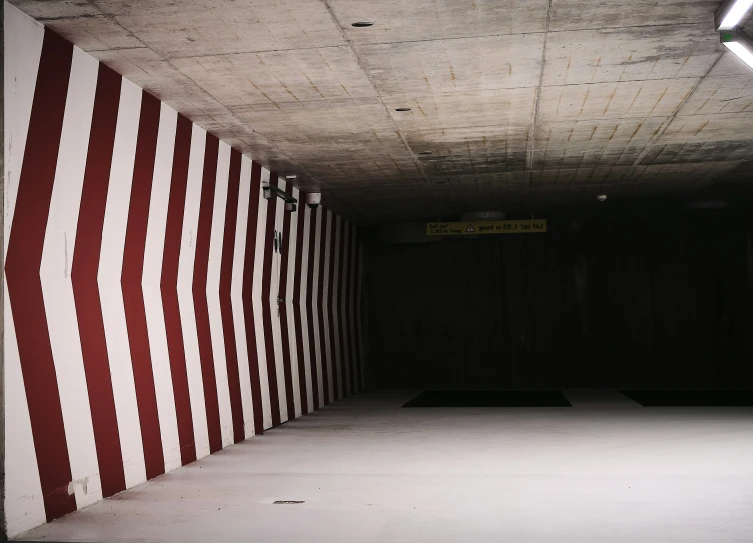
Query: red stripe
[
  {"x": 284, "y": 333},
  {"x": 332, "y": 309},
  {"x": 86, "y": 253},
  {"x": 266, "y": 285},
  {"x": 303, "y": 393},
  {"x": 23, "y": 261},
  {"x": 351, "y": 313},
  {"x": 310, "y": 309},
  {"x": 248, "y": 305},
  {"x": 169, "y": 290},
  {"x": 130, "y": 279},
  {"x": 357, "y": 308},
  {"x": 320, "y": 306},
  {"x": 226, "y": 303},
  {"x": 342, "y": 284},
  {"x": 200, "y": 271}
]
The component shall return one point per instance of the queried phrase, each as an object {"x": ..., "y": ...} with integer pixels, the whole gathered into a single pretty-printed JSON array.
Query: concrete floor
[{"x": 604, "y": 470}]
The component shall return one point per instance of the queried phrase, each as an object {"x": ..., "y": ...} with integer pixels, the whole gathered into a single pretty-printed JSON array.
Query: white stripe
[
  {"x": 359, "y": 311},
  {"x": 150, "y": 282},
  {"x": 307, "y": 344},
  {"x": 345, "y": 231},
  {"x": 336, "y": 305},
  {"x": 55, "y": 273},
  {"x": 274, "y": 292},
  {"x": 236, "y": 294},
  {"x": 290, "y": 307},
  {"x": 24, "y": 505},
  {"x": 213, "y": 293},
  {"x": 23, "y": 48},
  {"x": 108, "y": 279},
  {"x": 318, "y": 340},
  {"x": 261, "y": 230},
  {"x": 351, "y": 309},
  {"x": 185, "y": 292},
  {"x": 328, "y": 348}
]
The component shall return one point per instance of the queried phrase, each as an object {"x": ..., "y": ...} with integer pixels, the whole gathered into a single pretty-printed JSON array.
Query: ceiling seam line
[
  {"x": 384, "y": 104},
  {"x": 536, "y": 106},
  {"x": 665, "y": 125},
  {"x": 230, "y": 111}
]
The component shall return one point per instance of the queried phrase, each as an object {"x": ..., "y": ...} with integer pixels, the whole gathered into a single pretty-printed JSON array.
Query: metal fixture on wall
[
  {"x": 727, "y": 18},
  {"x": 739, "y": 43},
  {"x": 271, "y": 192}
]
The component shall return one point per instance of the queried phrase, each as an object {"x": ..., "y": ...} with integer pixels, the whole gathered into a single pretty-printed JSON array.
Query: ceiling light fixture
[
  {"x": 403, "y": 109},
  {"x": 740, "y": 44},
  {"x": 601, "y": 197},
  {"x": 730, "y": 13},
  {"x": 290, "y": 176},
  {"x": 362, "y": 24}
]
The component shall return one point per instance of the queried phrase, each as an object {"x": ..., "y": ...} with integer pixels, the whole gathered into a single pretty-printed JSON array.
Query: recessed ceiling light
[
  {"x": 362, "y": 24},
  {"x": 601, "y": 197},
  {"x": 730, "y": 13},
  {"x": 403, "y": 109}
]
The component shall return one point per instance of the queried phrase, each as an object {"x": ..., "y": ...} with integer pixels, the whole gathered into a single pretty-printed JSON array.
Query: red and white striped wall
[{"x": 157, "y": 307}]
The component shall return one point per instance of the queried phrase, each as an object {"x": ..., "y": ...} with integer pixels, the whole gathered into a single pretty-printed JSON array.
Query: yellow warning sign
[{"x": 534, "y": 226}]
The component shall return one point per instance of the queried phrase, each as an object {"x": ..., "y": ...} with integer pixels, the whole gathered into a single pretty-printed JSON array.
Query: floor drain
[{"x": 287, "y": 502}]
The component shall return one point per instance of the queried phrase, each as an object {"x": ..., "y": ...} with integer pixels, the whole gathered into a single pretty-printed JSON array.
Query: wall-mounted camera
[
  {"x": 313, "y": 199},
  {"x": 271, "y": 192}
]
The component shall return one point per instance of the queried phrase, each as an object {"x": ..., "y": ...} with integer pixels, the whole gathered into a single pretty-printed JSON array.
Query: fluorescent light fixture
[
  {"x": 730, "y": 13},
  {"x": 740, "y": 44}
]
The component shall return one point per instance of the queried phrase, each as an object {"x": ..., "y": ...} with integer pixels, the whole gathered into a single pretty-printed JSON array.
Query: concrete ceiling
[{"x": 534, "y": 102}]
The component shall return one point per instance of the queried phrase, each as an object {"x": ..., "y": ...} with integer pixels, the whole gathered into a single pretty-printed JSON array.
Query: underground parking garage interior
[{"x": 389, "y": 271}]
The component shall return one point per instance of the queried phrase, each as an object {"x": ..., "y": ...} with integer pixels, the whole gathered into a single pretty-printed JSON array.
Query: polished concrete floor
[{"x": 604, "y": 470}]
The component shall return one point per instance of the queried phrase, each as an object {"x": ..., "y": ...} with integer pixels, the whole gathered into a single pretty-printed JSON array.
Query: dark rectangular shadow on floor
[
  {"x": 691, "y": 398},
  {"x": 489, "y": 398}
]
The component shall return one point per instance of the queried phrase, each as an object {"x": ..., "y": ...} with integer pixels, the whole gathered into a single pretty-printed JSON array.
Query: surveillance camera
[{"x": 313, "y": 199}]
